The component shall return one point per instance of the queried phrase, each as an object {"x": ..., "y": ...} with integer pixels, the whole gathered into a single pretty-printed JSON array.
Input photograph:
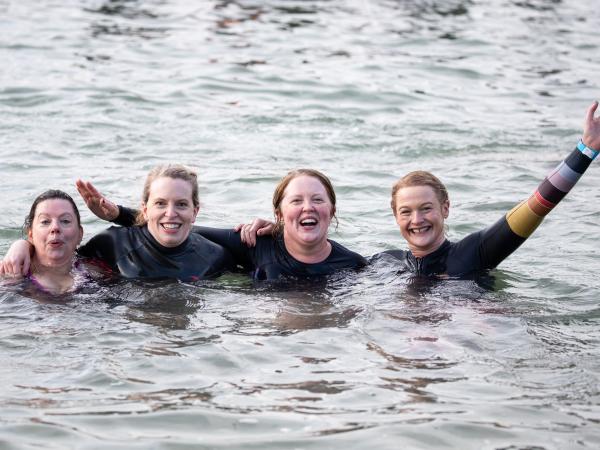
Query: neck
[
  {"x": 421, "y": 253},
  {"x": 56, "y": 278},
  {"x": 310, "y": 254}
]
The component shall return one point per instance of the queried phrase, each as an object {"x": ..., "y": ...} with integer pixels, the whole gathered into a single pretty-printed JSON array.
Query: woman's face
[
  {"x": 170, "y": 211},
  {"x": 55, "y": 233},
  {"x": 306, "y": 211},
  {"x": 420, "y": 216}
]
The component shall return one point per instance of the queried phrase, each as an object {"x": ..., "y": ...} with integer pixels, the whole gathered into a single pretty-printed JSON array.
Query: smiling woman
[
  {"x": 170, "y": 204},
  {"x": 420, "y": 205},
  {"x": 159, "y": 245},
  {"x": 304, "y": 205}
]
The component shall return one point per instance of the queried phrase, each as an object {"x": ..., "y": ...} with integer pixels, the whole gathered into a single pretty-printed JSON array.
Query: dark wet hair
[{"x": 48, "y": 195}]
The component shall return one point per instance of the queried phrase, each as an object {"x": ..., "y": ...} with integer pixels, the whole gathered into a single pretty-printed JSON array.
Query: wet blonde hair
[
  {"x": 174, "y": 171},
  {"x": 283, "y": 184}
]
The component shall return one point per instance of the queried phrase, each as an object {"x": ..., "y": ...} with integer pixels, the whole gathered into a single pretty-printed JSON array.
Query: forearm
[
  {"x": 228, "y": 239},
  {"x": 126, "y": 217},
  {"x": 508, "y": 233},
  {"x": 524, "y": 218}
]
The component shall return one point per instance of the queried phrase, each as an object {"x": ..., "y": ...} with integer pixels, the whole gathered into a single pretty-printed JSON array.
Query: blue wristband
[{"x": 589, "y": 152}]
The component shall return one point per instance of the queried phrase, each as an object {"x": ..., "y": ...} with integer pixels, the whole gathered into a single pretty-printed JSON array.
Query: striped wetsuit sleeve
[{"x": 506, "y": 235}]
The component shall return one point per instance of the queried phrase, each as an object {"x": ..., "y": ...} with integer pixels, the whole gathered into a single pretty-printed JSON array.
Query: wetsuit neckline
[
  {"x": 161, "y": 248},
  {"x": 281, "y": 243},
  {"x": 421, "y": 264},
  {"x": 441, "y": 249}
]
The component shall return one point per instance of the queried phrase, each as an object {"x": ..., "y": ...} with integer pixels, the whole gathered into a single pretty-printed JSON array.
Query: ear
[
  {"x": 145, "y": 211},
  {"x": 30, "y": 236},
  {"x": 80, "y": 235},
  {"x": 196, "y": 211},
  {"x": 446, "y": 209}
]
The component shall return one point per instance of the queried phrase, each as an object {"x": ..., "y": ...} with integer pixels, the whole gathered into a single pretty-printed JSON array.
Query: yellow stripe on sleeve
[{"x": 522, "y": 220}]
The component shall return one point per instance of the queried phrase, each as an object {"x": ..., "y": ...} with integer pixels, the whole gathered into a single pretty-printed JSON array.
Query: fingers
[
  {"x": 111, "y": 211},
  {"x": 266, "y": 230},
  {"x": 25, "y": 266},
  {"x": 87, "y": 194},
  {"x": 249, "y": 232},
  {"x": 591, "y": 128},
  {"x": 248, "y": 235},
  {"x": 12, "y": 268},
  {"x": 589, "y": 118}
]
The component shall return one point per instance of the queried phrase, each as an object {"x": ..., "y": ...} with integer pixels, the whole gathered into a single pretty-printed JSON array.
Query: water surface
[{"x": 488, "y": 95}]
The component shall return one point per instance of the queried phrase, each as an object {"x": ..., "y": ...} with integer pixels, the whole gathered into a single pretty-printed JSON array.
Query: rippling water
[{"x": 489, "y": 95}]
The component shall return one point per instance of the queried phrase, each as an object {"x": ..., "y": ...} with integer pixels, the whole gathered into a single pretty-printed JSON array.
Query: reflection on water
[{"x": 487, "y": 95}]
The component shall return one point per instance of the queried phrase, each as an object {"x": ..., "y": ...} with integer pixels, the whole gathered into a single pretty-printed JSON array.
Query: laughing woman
[
  {"x": 421, "y": 205},
  {"x": 304, "y": 204}
]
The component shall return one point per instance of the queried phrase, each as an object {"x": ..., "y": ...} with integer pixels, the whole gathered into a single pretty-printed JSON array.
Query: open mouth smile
[
  {"x": 170, "y": 226},
  {"x": 420, "y": 230},
  {"x": 309, "y": 222}
]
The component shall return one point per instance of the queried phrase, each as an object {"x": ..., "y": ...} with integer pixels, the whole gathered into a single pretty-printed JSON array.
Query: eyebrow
[
  {"x": 60, "y": 215},
  {"x": 182, "y": 199},
  {"x": 420, "y": 205}
]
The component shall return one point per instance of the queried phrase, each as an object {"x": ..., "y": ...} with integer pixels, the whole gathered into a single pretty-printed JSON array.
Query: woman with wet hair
[
  {"x": 420, "y": 204},
  {"x": 158, "y": 244},
  {"x": 304, "y": 205},
  {"x": 53, "y": 229}
]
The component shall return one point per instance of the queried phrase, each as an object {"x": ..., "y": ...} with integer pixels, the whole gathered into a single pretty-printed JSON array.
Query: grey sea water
[{"x": 489, "y": 95}]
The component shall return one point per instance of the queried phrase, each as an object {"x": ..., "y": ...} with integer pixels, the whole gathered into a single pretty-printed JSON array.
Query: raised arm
[
  {"x": 96, "y": 202},
  {"x": 506, "y": 235}
]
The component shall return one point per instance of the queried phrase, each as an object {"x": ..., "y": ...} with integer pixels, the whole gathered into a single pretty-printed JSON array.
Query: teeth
[
  {"x": 171, "y": 226},
  {"x": 420, "y": 230},
  {"x": 308, "y": 222}
]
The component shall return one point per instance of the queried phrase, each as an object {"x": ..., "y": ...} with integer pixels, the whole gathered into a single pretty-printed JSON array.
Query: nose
[
  {"x": 308, "y": 205},
  {"x": 170, "y": 212},
  {"x": 416, "y": 216},
  {"x": 54, "y": 227}
]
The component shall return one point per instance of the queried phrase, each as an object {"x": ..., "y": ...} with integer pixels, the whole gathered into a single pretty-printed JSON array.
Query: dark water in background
[{"x": 489, "y": 95}]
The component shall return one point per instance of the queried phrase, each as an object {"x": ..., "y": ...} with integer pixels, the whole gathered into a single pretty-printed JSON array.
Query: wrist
[{"x": 587, "y": 151}]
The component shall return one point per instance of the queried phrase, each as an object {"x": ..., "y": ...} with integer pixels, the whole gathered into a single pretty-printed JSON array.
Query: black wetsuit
[
  {"x": 485, "y": 249},
  {"x": 134, "y": 253},
  {"x": 479, "y": 251},
  {"x": 269, "y": 259}
]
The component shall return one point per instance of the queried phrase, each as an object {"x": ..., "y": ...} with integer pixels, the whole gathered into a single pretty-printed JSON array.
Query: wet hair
[
  {"x": 285, "y": 181},
  {"x": 50, "y": 194},
  {"x": 174, "y": 171},
  {"x": 420, "y": 178}
]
